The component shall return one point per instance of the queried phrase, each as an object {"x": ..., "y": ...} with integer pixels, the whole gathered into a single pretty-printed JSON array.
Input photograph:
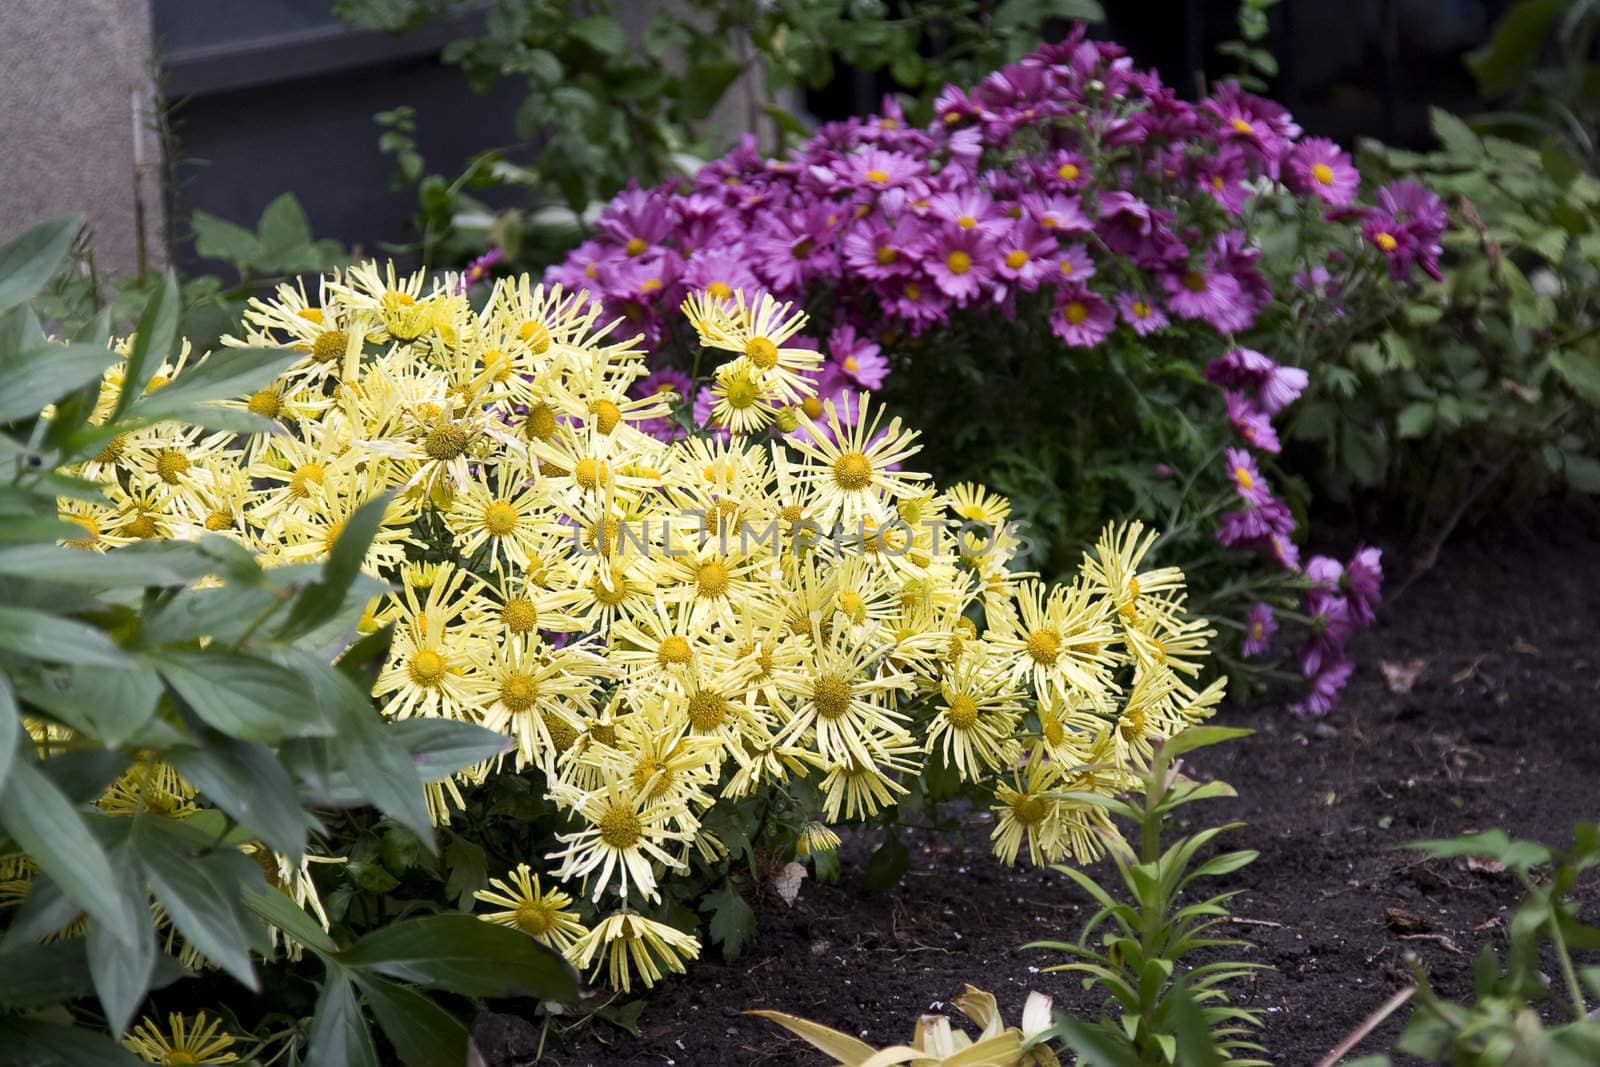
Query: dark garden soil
[{"x": 1501, "y": 728}]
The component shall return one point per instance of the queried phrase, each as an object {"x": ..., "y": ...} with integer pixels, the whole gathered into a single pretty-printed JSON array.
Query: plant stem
[{"x": 1369, "y": 1024}]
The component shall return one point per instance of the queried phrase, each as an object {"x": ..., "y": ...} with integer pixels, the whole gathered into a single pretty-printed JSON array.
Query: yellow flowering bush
[{"x": 699, "y": 642}]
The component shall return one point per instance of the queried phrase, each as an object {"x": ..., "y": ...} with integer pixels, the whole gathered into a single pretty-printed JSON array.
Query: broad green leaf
[
  {"x": 122, "y": 974},
  {"x": 35, "y": 379},
  {"x": 278, "y": 908},
  {"x": 41, "y": 636},
  {"x": 1415, "y": 419},
  {"x": 1196, "y": 737},
  {"x": 46, "y": 825},
  {"x": 10, "y": 730},
  {"x": 602, "y": 33},
  {"x": 217, "y": 238},
  {"x": 321, "y": 600},
  {"x": 1581, "y": 371},
  {"x": 247, "y": 781},
  {"x": 152, "y": 343},
  {"x": 135, "y": 566},
  {"x": 246, "y": 698},
  {"x": 29, "y": 260},
  {"x": 469, "y": 872},
  {"x": 423, "y": 1034},
  {"x": 1456, "y": 136},
  {"x": 464, "y": 954},
  {"x": 36, "y": 976},
  {"x": 111, "y": 706},
  {"x": 732, "y": 922},
  {"x": 199, "y": 886},
  {"x": 339, "y": 1035},
  {"x": 1491, "y": 845},
  {"x": 43, "y": 912},
  {"x": 441, "y": 747},
  {"x": 31, "y": 1041},
  {"x": 285, "y": 233}
]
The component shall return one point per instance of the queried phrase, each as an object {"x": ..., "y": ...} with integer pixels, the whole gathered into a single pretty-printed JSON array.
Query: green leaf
[
  {"x": 244, "y": 697},
  {"x": 10, "y": 730},
  {"x": 732, "y": 923},
  {"x": 423, "y": 1034},
  {"x": 49, "y": 829},
  {"x": 31, "y": 381},
  {"x": 1502, "y": 63},
  {"x": 466, "y": 955},
  {"x": 29, "y": 260},
  {"x": 1581, "y": 371},
  {"x": 1197, "y": 737},
  {"x": 1415, "y": 420},
  {"x": 35, "y": 976},
  {"x": 469, "y": 872},
  {"x": 602, "y": 33},
  {"x": 217, "y": 238},
  {"x": 111, "y": 706},
  {"x": 321, "y": 600},
  {"x": 247, "y": 781},
  {"x": 152, "y": 342},
  {"x": 1456, "y": 136},
  {"x": 1491, "y": 845},
  {"x": 122, "y": 974},
  {"x": 199, "y": 886},
  {"x": 224, "y": 374},
  {"x": 441, "y": 747},
  {"x": 1582, "y": 472},
  {"x": 887, "y": 864},
  {"x": 705, "y": 85},
  {"x": 133, "y": 567},
  {"x": 278, "y": 908},
  {"x": 40, "y": 636},
  {"x": 339, "y": 1036},
  {"x": 284, "y": 233},
  {"x": 35, "y": 1042}
]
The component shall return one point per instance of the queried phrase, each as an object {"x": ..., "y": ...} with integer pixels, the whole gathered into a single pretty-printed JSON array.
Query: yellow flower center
[
  {"x": 719, "y": 290},
  {"x": 330, "y": 345},
  {"x": 609, "y": 597},
  {"x": 171, "y": 466},
  {"x": 812, "y": 407},
  {"x": 1323, "y": 173},
  {"x": 1243, "y": 477},
  {"x": 958, "y": 262},
  {"x": 540, "y": 422},
  {"x": 89, "y": 525},
  {"x": 310, "y": 314},
  {"x": 673, "y": 650},
  {"x": 141, "y": 526},
  {"x": 1194, "y": 281},
  {"x": 707, "y": 710},
  {"x": 1077, "y": 312},
  {"x": 304, "y": 477},
  {"x": 913, "y": 291},
  {"x": 113, "y": 449},
  {"x": 1016, "y": 259},
  {"x": 712, "y": 578},
  {"x": 535, "y": 918},
  {"x": 962, "y": 712},
  {"x": 219, "y": 519},
  {"x": 854, "y": 606},
  {"x": 655, "y": 768},
  {"x": 445, "y": 442},
  {"x": 1029, "y": 810},
  {"x": 1243, "y": 127},
  {"x": 426, "y": 667},
  {"x": 518, "y": 692},
  {"x": 500, "y": 518},
  {"x": 886, "y": 255},
  {"x": 620, "y": 827},
  {"x": 852, "y": 471},
  {"x": 762, "y": 352},
  {"x": 1044, "y": 645},
  {"x": 851, "y": 364},
  {"x": 636, "y": 246},
  {"x": 1141, "y": 310},
  {"x": 265, "y": 403},
  {"x": 519, "y": 615},
  {"x": 606, "y": 416},
  {"x": 831, "y": 696},
  {"x": 562, "y": 733},
  {"x": 1067, "y": 172},
  {"x": 589, "y": 473},
  {"x": 537, "y": 335},
  {"x": 877, "y": 176},
  {"x": 966, "y": 222},
  {"x": 1385, "y": 241}
]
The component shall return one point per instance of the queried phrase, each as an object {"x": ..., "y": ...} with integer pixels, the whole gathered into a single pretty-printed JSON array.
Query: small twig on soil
[
  {"x": 1371, "y": 1023},
  {"x": 1441, "y": 940},
  {"x": 1254, "y": 922}
]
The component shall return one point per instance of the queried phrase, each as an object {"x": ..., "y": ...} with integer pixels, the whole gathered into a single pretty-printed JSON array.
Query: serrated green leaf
[
  {"x": 34, "y": 1042},
  {"x": 199, "y": 887},
  {"x": 732, "y": 922},
  {"x": 10, "y": 730}
]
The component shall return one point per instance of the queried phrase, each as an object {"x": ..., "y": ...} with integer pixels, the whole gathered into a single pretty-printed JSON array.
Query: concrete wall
[{"x": 75, "y": 123}]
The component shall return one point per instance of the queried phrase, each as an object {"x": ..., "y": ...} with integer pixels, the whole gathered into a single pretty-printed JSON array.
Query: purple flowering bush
[{"x": 1097, "y": 297}]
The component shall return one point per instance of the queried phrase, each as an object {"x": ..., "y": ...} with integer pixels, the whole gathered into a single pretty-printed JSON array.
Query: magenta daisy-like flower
[
  {"x": 1247, "y": 479},
  {"x": 1072, "y": 265},
  {"x": 878, "y": 170},
  {"x": 1141, "y": 312},
  {"x": 877, "y": 252},
  {"x": 917, "y": 301},
  {"x": 1211, "y": 296},
  {"x": 858, "y": 358},
  {"x": 1320, "y": 168},
  {"x": 1253, "y": 425},
  {"x": 1062, "y": 215},
  {"x": 1406, "y": 227},
  {"x": 959, "y": 261},
  {"x": 968, "y": 208},
  {"x": 1081, "y": 318},
  {"x": 1024, "y": 254},
  {"x": 1273, "y": 387},
  {"x": 1325, "y": 689},
  {"x": 1363, "y": 580},
  {"x": 1259, "y": 626},
  {"x": 1254, "y": 527}
]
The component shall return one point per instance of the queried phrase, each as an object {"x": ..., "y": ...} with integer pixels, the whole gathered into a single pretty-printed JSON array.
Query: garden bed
[{"x": 1502, "y": 728}]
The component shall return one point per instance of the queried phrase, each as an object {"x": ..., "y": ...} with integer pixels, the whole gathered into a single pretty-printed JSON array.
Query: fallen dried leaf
[
  {"x": 1466, "y": 673},
  {"x": 1401, "y": 676},
  {"x": 1524, "y": 648},
  {"x": 1404, "y": 921},
  {"x": 1485, "y": 866},
  {"x": 788, "y": 880}
]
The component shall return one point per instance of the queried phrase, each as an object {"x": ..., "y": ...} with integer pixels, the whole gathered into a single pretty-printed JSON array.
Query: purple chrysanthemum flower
[
  {"x": 1247, "y": 479},
  {"x": 1081, "y": 318},
  {"x": 1212, "y": 296},
  {"x": 1142, "y": 313},
  {"x": 959, "y": 261},
  {"x": 1259, "y": 626},
  {"x": 858, "y": 358},
  {"x": 1320, "y": 168},
  {"x": 1254, "y": 527},
  {"x": 1325, "y": 689},
  {"x": 1363, "y": 580},
  {"x": 1253, "y": 425}
]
